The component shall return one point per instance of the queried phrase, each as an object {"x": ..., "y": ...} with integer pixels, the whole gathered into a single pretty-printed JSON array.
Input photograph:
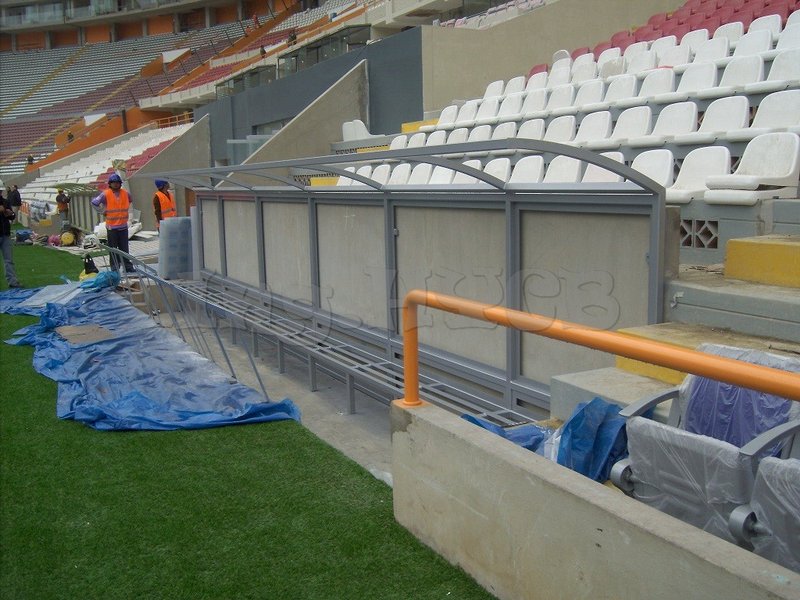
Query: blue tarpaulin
[{"x": 142, "y": 378}]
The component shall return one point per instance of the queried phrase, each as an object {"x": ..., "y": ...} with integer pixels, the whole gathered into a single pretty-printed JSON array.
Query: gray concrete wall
[
  {"x": 287, "y": 251},
  {"x": 526, "y": 528},
  {"x": 459, "y": 252},
  {"x": 189, "y": 151},
  {"x": 352, "y": 262},
  {"x": 210, "y": 255},
  {"x": 459, "y": 63},
  {"x": 240, "y": 241},
  {"x": 567, "y": 274}
]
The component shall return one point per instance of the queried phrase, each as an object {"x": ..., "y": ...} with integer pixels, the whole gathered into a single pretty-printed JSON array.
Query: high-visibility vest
[
  {"x": 167, "y": 205},
  {"x": 117, "y": 208}
]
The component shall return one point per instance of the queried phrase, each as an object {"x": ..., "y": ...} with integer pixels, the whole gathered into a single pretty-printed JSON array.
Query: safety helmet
[
  {"x": 60, "y": 189},
  {"x": 115, "y": 178},
  {"x": 161, "y": 183}
]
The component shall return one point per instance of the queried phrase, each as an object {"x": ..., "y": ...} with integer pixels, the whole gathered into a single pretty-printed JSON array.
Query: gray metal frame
[{"x": 638, "y": 195}]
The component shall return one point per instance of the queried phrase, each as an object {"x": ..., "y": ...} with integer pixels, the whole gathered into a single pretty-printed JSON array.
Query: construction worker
[
  {"x": 114, "y": 203},
  {"x": 62, "y": 200},
  {"x": 163, "y": 202}
]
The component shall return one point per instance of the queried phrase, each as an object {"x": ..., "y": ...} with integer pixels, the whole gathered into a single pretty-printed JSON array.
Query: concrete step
[
  {"x": 690, "y": 336},
  {"x": 770, "y": 259},
  {"x": 611, "y": 384},
  {"x": 705, "y": 297}
]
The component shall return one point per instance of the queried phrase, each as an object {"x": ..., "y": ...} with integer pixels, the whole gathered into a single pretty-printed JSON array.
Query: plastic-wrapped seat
[
  {"x": 769, "y": 168},
  {"x": 769, "y": 522},
  {"x": 720, "y": 117},
  {"x": 700, "y": 163},
  {"x": 674, "y": 119},
  {"x": 692, "y": 468},
  {"x": 632, "y": 122}
]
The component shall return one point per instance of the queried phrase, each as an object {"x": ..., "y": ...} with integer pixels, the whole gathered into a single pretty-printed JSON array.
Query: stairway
[{"x": 753, "y": 302}]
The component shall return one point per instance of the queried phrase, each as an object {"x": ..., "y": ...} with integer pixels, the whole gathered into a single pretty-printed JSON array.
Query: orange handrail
[{"x": 756, "y": 377}]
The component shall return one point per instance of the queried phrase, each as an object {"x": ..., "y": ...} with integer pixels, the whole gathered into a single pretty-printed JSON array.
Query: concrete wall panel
[
  {"x": 599, "y": 279},
  {"x": 211, "y": 248},
  {"x": 352, "y": 262},
  {"x": 286, "y": 250},
  {"x": 527, "y": 528},
  {"x": 240, "y": 241},
  {"x": 460, "y": 252}
]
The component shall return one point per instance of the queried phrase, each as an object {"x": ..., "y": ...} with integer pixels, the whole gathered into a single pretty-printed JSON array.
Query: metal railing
[{"x": 728, "y": 370}]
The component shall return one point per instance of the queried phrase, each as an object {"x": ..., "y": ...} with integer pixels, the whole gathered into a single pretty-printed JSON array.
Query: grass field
[{"x": 257, "y": 511}]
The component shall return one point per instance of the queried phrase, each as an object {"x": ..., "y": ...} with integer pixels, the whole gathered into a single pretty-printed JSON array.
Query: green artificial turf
[{"x": 256, "y": 511}]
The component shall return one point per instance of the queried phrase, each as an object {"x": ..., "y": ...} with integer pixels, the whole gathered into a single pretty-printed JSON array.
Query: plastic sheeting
[
  {"x": 144, "y": 378},
  {"x": 776, "y": 504},
  {"x": 731, "y": 413},
  {"x": 528, "y": 436},
  {"x": 694, "y": 478},
  {"x": 593, "y": 439}
]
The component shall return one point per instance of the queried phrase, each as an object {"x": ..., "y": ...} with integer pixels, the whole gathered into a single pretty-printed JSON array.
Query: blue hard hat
[
  {"x": 161, "y": 183},
  {"x": 115, "y": 178}
]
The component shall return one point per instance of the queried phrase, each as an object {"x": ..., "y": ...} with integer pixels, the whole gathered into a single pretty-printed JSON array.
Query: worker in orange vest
[
  {"x": 163, "y": 202},
  {"x": 114, "y": 203}
]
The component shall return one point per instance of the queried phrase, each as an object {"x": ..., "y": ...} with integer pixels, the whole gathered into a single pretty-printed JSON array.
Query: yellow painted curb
[
  {"x": 769, "y": 259},
  {"x": 413, "y": 126}
]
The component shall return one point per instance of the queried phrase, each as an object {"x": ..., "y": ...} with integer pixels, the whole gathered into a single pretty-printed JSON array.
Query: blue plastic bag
[
  {"x": 101, "y": 280},
  {"x": 593, "y": 439},
  {"x": 528, "y": 436}
]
